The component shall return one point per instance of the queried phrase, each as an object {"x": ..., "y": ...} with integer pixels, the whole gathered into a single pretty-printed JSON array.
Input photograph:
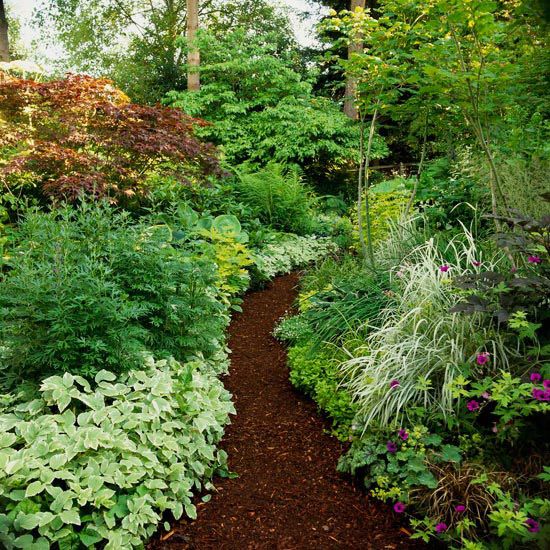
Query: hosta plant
[{"x": 290, "y": 252}]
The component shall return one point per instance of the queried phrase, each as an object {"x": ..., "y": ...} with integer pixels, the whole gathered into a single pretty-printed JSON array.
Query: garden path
[{"x": 288, "y": 495}]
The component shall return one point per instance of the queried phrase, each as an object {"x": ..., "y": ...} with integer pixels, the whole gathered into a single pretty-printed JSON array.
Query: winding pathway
[{"x": 288, "y": 495}]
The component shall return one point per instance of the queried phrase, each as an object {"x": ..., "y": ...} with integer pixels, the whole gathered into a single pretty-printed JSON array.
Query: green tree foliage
[
  {"x": 136, "y": 42},
  {"x": 262, "y": 107},
  {"x": 451, "y": 70}
]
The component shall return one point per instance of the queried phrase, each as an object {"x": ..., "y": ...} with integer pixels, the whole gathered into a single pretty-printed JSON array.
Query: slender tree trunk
[
  {"x": 368, "y": 220},
  {"x": 4, "y": 42},
  {"x": 351, "y": 84},
  {"x": 194, "y": 59}
]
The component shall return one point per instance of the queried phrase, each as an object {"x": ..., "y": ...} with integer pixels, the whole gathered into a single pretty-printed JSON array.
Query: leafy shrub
[
  {"x": 89, "y": 290},
  {"x": 81, "y": 135},
  {"x": 398, "y": 461},
  {"x": 448, "y": 194},
  {"x": 278, "y": 197},
  {"x": 87, "y": 464},
  {"x": 289, "y": 253},
  {"x": 315, "y": 373},
  {"x": 262, "y": 108},
  {"x": 384, "y": 207}
]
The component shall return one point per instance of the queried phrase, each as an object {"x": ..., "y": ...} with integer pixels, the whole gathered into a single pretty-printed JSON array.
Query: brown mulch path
[{"x": 288, "y": 494}]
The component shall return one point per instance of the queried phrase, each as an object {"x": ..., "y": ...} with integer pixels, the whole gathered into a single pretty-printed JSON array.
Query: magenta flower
[
  {"x": 476, "y": 263},
  {"x": 534, "y": 259},
  {"x": 483, "y": 357},
  {"x": 403, "y": 434},
  {"x": 399, "y": 507},
  {"x": 394, "y": 384},
  {"x": 532, "y": 525},
  {"x": 444, "y": 268},
  {"x": 459, "y": 508},
  {"x": 538, "y": 394},
  {"x": 546, "y": 384},
  {"x": 441, "y": 527},
  {"x": 472, "y": 405},
  {"x": 391, "y": 446},
  {"x": 535, "y": 377}
]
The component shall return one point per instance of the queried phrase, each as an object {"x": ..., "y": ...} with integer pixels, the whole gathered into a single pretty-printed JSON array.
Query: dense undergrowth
[
  {"x": 127, "y": 240},
  {"x": 114, "y": 309}
]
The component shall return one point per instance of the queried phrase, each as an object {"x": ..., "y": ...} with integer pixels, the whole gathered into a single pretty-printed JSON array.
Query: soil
[{"x": 288, "y": 495}]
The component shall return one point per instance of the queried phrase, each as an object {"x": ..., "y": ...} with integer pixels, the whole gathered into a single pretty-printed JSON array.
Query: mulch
[{"x": 288, "y": 494}]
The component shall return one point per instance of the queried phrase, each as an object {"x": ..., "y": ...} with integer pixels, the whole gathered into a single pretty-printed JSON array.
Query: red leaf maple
[{"x": 62, "y": 138}]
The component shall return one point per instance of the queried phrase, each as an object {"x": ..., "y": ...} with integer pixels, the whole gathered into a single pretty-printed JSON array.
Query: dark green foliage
[
  {"x": 447, "y": 200},
  {"x": 88, "y": 289}
]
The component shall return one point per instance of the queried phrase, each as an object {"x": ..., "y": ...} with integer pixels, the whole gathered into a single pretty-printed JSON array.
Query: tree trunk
[
  {"x": 351, "y": 84},
  {"x": 193, "y": 60},
  {"x": 4, "y": 42}
]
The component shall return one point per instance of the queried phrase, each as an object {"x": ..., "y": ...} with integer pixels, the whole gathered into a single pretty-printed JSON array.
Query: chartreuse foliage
[{"x": 97, "y": 463}]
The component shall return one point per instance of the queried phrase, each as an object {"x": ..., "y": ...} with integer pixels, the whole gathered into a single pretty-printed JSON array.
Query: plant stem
[
  {"x": 420, "y": 166},
  {"x": 360, "y": 186},
  {"x": 367, "y": 205}
]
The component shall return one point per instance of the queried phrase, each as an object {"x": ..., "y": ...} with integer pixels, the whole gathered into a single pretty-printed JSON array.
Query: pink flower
[
  {"x": 472, "y": 405},
  {"x": 539, "y": 395},
  {"x": 391, "y": 446},
  {"x": 444, "y": 268},
  {"x": 441, "y": 527},
  {"x": 494, "y": 429},
  {"x": 476, "y": 263},
  {"x": 535, "y": 377},
  {"x": 399, "y": 274},
  {"x": 486, "y": 395},
  {"x": 483, "y": 357},
  {"x": 532, "y": 525},
  {"x": 403, "y": 434},
  {"x": 459, "y": 508},
  {"x": 394, "y": 384},
  {"x": 546, "y": 384},
  {"x": 534, "y": 259},
  {"x": 399, "y": 507}
]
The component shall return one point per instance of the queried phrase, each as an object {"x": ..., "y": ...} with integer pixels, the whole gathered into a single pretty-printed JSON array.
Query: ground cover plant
[{"x": 401, "y": 161}]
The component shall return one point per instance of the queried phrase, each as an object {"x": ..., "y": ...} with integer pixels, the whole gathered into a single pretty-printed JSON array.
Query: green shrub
[
  {"x": 315, "y": 373},
  {"x": 278, "y": 196},
  {"x": 88, "y": 289},
  {"x": 262, "y": 108},
  {"x": 94, "y": 463},
  {"x": 384, "y": 207}
]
